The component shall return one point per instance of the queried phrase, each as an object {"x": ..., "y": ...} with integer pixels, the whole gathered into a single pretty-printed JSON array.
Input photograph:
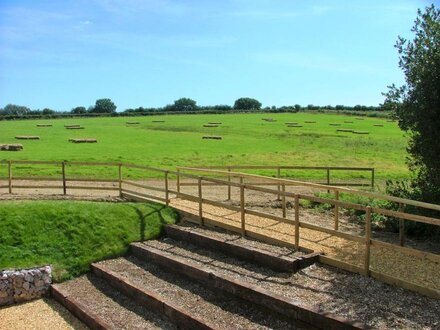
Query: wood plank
[
  {"x": 332, "y": 232},
  {"x": 142, "y": 185},
  {"x": 340, "y": 264},
  {"x": 92, "y": 188},
  {"x": 270, "y": 216},
  {"x": 407, "y": 250},
  {"x": 141, "y": 195},
  {"x": 407, "y": 216},
  {"x": 406, "y": 285}
]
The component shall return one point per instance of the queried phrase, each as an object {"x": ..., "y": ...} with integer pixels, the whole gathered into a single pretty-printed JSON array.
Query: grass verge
[{"x": 72, "y": 234}]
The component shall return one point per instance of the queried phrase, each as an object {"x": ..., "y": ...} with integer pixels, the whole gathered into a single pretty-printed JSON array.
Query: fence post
[
  {"x": 401, "y": 227},
  {"x": 337, "y": 211},
  {"x": 167, "y": 200},
  {"x": 229, "y": 186},
  {"x": 367, "y": 240},
  {"x": 278, "y": 176},
  {"x": 242, "y": 211},
  {"x": 120, "y": 179},
  {"x": 297, "y": 222},
  {"x": 63, "y": 171},
  {"x": 283, "y": 199},
  {"x": 200, "y": 201},
  {"x": 178, "y": 180},
  {"x": 10, "y": 176},
  {"x": 328, "y": 177},
  {"x": 372, "y": 178}
]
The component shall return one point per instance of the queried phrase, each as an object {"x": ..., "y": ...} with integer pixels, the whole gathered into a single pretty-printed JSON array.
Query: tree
[
  {"x": 78, "y": 110},
  {"x": 247, "y": 103},
  {"x": 104, "y": 106},
  {"x": 16, "y": 110},
  {"x": 417, "y": 102},
  {"x": 47, "y": 111},
  {"x": 185, "y": 104}
]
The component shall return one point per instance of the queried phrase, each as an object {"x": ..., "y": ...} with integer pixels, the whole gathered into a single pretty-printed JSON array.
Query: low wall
[{"x": 24, "y": 284}]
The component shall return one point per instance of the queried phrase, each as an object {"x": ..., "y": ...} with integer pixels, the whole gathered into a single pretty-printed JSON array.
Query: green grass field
[
  {"x": 71, "y": 235},
  {"x": 247, "y": 139}
]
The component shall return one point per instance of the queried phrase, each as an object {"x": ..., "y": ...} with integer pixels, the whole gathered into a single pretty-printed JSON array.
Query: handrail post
[
  {"x": 229, "y": 185},
  {"x": 178, "y": 180},
  {"x": 337, "y": 211},
  {"x": 279, "y": 187},
  {"x": 401, "y": 227},
  {"x": 297, "y": 222},
  {"x": 10, "y": 176},
  {"x": 328, "y": 179},
  {"x": 120, "y": 179},
  {"x": 367, "y": 240},
  {"x": 167, "y": 200},
  {"x": 200, "y": 201},
  {"x": 242, "y": 210},
  {"x": 63, "y": 171},
  {"x": 283, "y": 199}
]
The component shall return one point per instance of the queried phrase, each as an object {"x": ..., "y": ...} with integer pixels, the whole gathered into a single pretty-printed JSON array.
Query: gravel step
[
  {"x": 215, "y": 278},
  {"x": 215, "y": 309},
  {"x": 100, "y": 306},
  {"x": 240, "y": 248}
]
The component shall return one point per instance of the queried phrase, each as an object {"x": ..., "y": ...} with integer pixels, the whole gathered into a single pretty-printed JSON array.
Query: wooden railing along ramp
[{"x": 232, "y": 200}]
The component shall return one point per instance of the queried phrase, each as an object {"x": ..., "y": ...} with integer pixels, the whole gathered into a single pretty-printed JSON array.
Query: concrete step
[
  {"x": 245, "y": 280},
  {"x": 187, "y": 303},
  {"x": 235, "y": 246},
  {"x": 100, "y": 306}
]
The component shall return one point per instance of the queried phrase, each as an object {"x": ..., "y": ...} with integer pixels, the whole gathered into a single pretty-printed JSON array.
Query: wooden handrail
[{"x": 319, "y": 186}]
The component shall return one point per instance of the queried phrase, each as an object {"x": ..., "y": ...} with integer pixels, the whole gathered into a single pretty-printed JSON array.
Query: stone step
[
  {"x": 247, "y": 281},
  {"x": 100, "y": 306},
  {"x": 185, "y": 302},
  {"x": 232, "y": 245}
]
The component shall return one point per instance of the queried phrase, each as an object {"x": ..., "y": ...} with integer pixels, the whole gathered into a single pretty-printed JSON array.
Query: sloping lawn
[{"x": 72, "y": 234}]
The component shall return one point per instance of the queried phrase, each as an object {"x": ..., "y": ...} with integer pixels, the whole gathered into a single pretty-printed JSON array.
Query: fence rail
[
  {"x": 278, "y": 172},
  {"x": 202, "y": 176}
]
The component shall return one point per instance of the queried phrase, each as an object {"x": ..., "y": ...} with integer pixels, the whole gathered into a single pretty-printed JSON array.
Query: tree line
[{"x": 106, "y": 106}]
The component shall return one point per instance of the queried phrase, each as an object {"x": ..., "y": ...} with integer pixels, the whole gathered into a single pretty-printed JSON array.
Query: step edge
[
  {"x": 155, "y": 303},
  {"x": 290, "y": 307},
  {"x": 78, "y": 309}
]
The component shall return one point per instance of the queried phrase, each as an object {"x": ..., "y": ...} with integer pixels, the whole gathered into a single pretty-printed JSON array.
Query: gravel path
[
  {"x": 38, "y": 314},
  {"x": 114, "y": 307},
  {"x": 217, "y": 309},
  {"x": 338, "y": 292},
  {"x": 390, "y": 262}
]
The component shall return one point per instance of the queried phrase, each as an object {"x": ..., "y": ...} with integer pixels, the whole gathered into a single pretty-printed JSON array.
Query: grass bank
[{"x": 72, "y": 234}]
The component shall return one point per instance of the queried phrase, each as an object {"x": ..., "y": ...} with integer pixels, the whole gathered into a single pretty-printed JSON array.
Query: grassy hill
[{"x": 72, "y": 234}]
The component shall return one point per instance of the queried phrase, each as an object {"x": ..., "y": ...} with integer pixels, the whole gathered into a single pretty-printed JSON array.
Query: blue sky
[{"x": 62, "y": 54}]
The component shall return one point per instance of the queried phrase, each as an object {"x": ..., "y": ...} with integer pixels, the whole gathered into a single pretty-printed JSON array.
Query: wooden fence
[
  {"x": 280, "y": 170},
  {"x": 163, "y": 192}
]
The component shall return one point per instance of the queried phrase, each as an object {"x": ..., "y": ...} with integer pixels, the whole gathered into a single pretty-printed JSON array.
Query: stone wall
[{"x": 25, "y": 284}]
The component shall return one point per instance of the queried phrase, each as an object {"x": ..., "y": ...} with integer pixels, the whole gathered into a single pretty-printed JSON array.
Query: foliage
[
  {"x": 185, "y": 104},
  {"x": 70, "y": 235},
  {"x": 417, "y": 103},
  {"x": 104, "y": 106},
  {"x": 13, "y": 109},
  {"x": 247, "y": 103},
  {"x": 78, "y": 110}
]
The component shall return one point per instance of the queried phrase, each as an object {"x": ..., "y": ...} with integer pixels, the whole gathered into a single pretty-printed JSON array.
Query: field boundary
[{"x": 163, "y": 195}]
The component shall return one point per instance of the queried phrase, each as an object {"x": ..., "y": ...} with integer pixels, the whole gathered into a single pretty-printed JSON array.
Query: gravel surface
[
  {"x": 334, "y": 291},
  {"x": 238, "y": 239},
  {"x": 114, "y": 307},
  {"x": 217, "y": 309},
  {"x": 398, "y": 264},
  {"x": 38, "y": 314}
]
